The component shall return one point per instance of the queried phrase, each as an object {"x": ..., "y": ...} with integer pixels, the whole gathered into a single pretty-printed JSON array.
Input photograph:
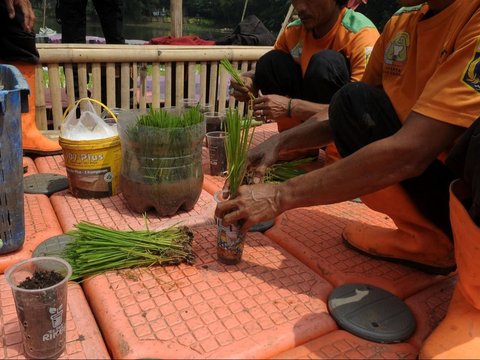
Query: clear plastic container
[
  {"x": 161, "y": 168},
  {"x": 42, "y": 313}
]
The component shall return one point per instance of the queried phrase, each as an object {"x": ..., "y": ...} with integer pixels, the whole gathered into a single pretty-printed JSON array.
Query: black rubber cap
[
  {"x": 371, "y": 313},
  {"x": 261, "y": 227},
  {"x": 46, "y": 184}
]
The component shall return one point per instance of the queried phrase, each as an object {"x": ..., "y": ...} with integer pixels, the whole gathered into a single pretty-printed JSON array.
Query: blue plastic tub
[{"x": 13, "y": 99}]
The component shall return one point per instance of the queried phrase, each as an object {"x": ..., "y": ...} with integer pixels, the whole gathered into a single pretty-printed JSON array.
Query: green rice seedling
[
  {"x": 235, "y": 74},
  {"x": 237, "y": 144},
  {"x": 286, "y": 170},
  {"x": 96, "y": 249}
]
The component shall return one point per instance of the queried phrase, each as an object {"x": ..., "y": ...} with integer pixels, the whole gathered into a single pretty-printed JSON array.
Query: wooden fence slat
[
  {"x": 40, "y": 106},
  {"x": 156, "y": 86},
  {"x": 125, "y": 90},
  {"x": 111, "y": 75},
  {"x": 191, "y": 80},
  {"x": 212, "y": 92},
  {"x": 203, "y": 82},
  {"x": 97, "y": 84},
  {"x": 142, "y": 69},
  {"x": 179, "y": 82},
  {"x": 55, "y": 95},
  {"x": 168, "y": 84}
]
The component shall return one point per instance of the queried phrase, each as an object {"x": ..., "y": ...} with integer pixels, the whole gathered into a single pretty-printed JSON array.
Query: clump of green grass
[
  {"x": 237, "y": 144},
  {"x": 96, "y": 249},
  {"x": 163, "y": 119},
  {"x": 286, "y": 170}
]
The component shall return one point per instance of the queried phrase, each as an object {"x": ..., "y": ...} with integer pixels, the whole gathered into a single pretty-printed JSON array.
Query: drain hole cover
[
  {"x": 46, "y": 184},
  {"x": 371, "y": 313},
  {"x": 53, "y": 246}
]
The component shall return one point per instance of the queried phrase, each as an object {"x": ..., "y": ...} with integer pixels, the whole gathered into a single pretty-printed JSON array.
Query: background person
[
  {"x": 72, "y": 15},
  {"x": 18, "y": 48},
  {"x": 326, "y": 48}
]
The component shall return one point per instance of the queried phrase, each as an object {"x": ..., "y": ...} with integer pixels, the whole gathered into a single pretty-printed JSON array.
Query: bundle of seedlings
[
  {"x": 284, "y": 171},
  {"x": 237, "y": 144},
  {"x": 96, "y": 249},
  {"x": 235, "y": 74}
]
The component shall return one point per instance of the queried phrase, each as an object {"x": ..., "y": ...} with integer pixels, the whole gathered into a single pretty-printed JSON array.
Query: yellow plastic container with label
[{"x": 93, "y": 166}]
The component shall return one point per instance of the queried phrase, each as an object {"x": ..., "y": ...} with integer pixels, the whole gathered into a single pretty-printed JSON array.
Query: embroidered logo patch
[
  {"x": 297, "y": 51},
  {"x": 397, "y": 49},
  {"x": 471, "y": 77}
]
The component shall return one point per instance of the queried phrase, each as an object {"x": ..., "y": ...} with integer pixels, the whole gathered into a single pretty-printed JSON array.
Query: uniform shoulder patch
[
  {"x": 471, "y": 76},
  {"x": 355, "y": 21},
  {"x": 408, "y": 9}
]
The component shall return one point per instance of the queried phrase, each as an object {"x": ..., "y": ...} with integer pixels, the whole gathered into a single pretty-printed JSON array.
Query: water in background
[{"x": 145, "y": 31}]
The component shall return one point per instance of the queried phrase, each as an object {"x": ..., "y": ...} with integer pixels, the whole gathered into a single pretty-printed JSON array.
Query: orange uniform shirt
[
  {"x": 353, "y": 35},
  {"x": 431, "y": 66}
]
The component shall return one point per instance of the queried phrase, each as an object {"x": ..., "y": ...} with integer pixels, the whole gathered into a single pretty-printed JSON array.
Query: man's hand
[
  {"x": 241, "y": 93},
  {"x": 253, "y": 204},
  {"x": 270, "y": 106},
  {"x": 263, "y": 156},
  {"x": 26, "y": 8}
]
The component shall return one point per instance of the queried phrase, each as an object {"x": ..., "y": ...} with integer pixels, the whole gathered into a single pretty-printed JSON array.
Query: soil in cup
[{"x": 41, "y": 280}]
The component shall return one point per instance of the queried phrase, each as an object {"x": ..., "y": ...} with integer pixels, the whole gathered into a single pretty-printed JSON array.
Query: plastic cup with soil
[
  {"x": 39, "y": 286},
  {"x": 215, "y": 121},
  {"x": 230, "y": 241},
  {"x": 216, "y": 151}
]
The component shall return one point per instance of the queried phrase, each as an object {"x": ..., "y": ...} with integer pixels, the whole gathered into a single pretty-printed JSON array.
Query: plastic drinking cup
[
  {"x": 42, "y": 313},
  {"x": 215, "y": 121},
  {"x": 216, "y": 150}
]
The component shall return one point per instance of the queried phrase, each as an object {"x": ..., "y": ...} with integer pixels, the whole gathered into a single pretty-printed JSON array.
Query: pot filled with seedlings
[{"x": 162, "y": 159}]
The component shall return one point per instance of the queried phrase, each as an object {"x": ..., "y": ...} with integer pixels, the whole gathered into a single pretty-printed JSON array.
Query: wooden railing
[{"x": 135, "y": 76}]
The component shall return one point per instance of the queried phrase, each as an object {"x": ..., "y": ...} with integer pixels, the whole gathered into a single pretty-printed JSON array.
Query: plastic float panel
[
  {"x": 113, "y": 212},
  {"x": 84, "y": 340},
  {"x": 51, "y": 164},
  {"x": 30, "y": 164},
  {"x": 430, "y": 307},
  {"x": 268, "y": 303},
  {"x": 314, "y": 235},
  {"x": 41, "y": 223},
  {"x": 263, "y": 132},
  {"x": 343, "y": 345}
]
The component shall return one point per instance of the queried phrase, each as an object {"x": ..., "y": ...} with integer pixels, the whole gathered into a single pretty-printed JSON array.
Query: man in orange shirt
[
  {"x": 326, "y": 48},
  {"x": 420, "y": 91}
]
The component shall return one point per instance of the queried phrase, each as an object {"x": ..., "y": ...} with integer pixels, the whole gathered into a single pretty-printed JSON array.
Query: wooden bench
[{"x": 150, "y": 76}]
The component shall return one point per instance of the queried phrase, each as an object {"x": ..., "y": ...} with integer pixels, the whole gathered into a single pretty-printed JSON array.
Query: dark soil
[{"x": 41, "y": 280}]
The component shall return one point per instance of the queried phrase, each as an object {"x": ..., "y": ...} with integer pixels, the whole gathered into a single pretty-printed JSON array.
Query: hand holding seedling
[
  {"x": 270, "y": 106},
  {"x": 261, "y": 157},
  {"x": 244, "y": 90},
  {"x": 253, "y": 204}
]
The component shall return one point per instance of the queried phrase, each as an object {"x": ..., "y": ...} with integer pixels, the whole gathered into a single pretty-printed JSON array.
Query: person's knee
[
  {"x": 327, "y": 63},
  {"x": 344, "y": 101},
  {"x": 277, "y": 73},
  {"x": 327, "y": 72}
]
